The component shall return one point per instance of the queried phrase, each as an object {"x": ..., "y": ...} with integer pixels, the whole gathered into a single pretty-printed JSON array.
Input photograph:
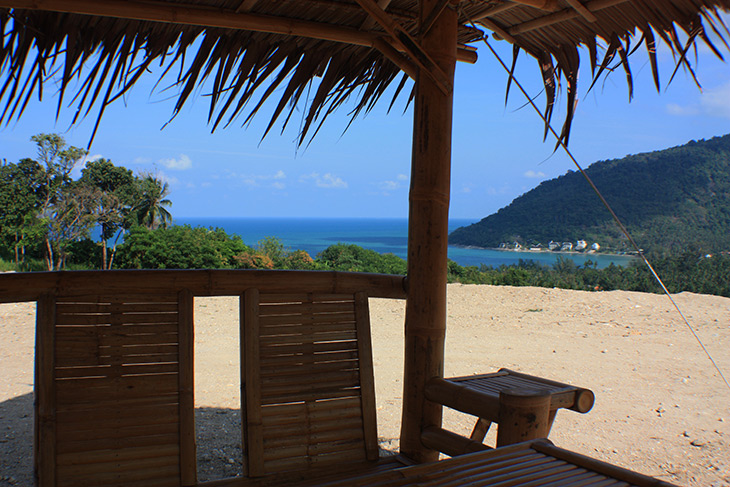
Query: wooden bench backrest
[
  {"x": 114, "y": 390},
  {"x": 114, "y": 371},
  {"x": 308, "y": 381}
]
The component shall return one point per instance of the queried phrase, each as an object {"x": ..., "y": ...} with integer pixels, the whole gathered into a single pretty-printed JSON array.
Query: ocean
[{"x": 384, "y": 235}]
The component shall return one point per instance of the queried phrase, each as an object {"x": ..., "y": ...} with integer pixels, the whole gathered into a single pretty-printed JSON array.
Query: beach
[{"x": 660, "y": 409}]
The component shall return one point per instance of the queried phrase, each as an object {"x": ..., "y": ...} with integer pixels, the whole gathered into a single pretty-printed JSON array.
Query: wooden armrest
[
  {"x": 583, "y": 398},
  {"x": 455, "y": 396},
  {"x": 561, "y": 395}
]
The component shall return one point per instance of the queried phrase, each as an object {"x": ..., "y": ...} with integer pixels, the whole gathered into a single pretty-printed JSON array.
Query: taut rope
[{"x": 621, "y": 226}]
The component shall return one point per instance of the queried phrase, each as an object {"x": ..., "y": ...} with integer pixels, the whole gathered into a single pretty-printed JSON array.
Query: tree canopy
[{"x": 47, "y": 213}]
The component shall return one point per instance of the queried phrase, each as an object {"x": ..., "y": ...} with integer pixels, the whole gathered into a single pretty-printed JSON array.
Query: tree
[
  {"x": 353, "y": 258},
  {"x": 56, "y": 208},
  {"x": 71, "y": 219},
  {"x": 19, "y": 197},
  {"x": 150, "y": 209},
  {"x": 180, "y": 247},
  {"x": 272, "y": 248},
  {"x": 116, "y": 190}
]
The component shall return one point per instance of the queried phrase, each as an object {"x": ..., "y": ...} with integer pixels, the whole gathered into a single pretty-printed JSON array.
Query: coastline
[
  {"x": 545, "y": 252},
  {"x": 313, "y": 235}
]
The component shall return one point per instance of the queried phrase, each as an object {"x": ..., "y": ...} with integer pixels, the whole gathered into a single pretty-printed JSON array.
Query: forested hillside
[{"x": 670, "y": 200}]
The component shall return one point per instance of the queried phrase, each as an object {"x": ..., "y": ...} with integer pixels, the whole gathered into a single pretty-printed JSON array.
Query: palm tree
[{"x": 150, "y": 210}]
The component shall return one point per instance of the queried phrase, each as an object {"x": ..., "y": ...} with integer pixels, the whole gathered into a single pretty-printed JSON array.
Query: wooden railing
[
  {"x": 114, "y": 362},
  {"x": 17, "y": 287}
]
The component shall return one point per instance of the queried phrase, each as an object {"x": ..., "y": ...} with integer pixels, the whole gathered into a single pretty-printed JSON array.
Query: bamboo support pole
[
  {"x": 250, "y": 383},
  {"x": 45, "y": 400},
  {"x": 366, "y": 378},
  {"x": 425, "y": 323},
  {"x": 188, "y": 470}
]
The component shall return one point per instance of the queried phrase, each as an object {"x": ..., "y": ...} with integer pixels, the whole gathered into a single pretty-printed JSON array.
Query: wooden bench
[
  {"x": 114, "y": 374},
  {"x": 114, "y": 389},
  {"x": 309, "y": 392},
  {"x": 525, "y": 464},
  {"x": 114, "y": 381}
]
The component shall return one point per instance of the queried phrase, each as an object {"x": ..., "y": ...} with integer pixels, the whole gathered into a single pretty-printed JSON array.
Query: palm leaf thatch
[{"x": 311, "y": 54}]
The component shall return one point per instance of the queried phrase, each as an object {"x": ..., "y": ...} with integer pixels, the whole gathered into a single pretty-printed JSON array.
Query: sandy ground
[{"x": 661, "y": 408}]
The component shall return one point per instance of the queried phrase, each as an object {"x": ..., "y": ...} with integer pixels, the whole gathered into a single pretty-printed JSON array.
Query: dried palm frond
[
  {"x": 555, "y": 38},
  {"x": 96, "y": 59}
]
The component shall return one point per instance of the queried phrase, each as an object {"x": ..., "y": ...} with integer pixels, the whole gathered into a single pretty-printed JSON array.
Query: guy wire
[{"x": 608, "y": 207}]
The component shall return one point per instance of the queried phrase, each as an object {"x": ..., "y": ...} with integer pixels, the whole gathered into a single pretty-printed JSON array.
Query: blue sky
[{"x": 498, "y": 152}]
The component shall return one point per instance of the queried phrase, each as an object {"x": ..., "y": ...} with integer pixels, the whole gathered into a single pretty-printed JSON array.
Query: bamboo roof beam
[
  {"x": 246, "y": 6},
  {"x": 369, "y": 23},
  {"x": 209, "y": 17},
  {"x": 404, "y": 42},
  {"x": 432, "y": 16},
  {"x": 499, "y": 8},
  {"x": 547, "y": 5},
  {"x": 405, "y": 64},
  {"x": 562, "y": 16},
  {"x": 499, "y": 33},
  {"x": 582, "y": 10}
]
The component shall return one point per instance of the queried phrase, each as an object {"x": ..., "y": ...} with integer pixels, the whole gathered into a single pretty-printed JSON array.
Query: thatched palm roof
[{"x": 319, "y": 52}]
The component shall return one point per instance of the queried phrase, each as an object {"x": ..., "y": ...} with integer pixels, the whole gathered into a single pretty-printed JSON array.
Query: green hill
[{"x": 670, "y": 200}]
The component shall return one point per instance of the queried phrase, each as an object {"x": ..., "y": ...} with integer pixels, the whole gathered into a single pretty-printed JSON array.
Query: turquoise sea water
[{"x": 380, "y": 234}]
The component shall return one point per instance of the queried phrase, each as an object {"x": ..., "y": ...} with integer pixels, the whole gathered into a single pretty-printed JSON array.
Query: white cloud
[
  {"x": 713, "y": 102},
  {"x": 331, "y": 181},
  {"x": 388, "y": 185},
  {"x": 183, "y": 163},
  {"x": 681, "y": 111},
  {"x": 328, "y": 180},
  {"x": 492, "y": 191},
  {"x": 256, "y": 180},
  {"x": 392, "y": 184},
  {"x": 79, "y": 166},
  {"x": 534, "y": 175},
  {"x": 171, "y": 180},
  {"x": 88, "y": 158},
  {"x": 716, "y": 101}
]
